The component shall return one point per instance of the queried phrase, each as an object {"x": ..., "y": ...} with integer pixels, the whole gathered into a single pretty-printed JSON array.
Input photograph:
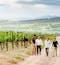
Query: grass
[{"x": 19, "y": 57}]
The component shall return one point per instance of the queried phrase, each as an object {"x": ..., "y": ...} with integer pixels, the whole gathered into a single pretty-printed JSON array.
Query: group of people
[{"x": 38, "y": 44}]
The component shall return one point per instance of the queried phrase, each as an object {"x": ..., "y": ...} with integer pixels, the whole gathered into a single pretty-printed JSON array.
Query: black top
[
  {"x": 55, "y": 43},
  {"x": 25, "y": 39},
  {"x": 33, "y": 41}
]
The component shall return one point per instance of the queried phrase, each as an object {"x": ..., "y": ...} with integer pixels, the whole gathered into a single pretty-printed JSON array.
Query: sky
[{"x": 29, "y": 9}]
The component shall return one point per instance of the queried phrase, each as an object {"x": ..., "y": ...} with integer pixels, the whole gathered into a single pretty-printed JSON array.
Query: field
[
  {"x": 49, "y": 26},
  {"x": 12, "y": 39},
  {"x": 12, "y": 49}
]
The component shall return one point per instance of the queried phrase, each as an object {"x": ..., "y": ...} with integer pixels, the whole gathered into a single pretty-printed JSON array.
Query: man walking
[
  {"x": 38, "y": 43},
  {"x": 55, "y": 45}
]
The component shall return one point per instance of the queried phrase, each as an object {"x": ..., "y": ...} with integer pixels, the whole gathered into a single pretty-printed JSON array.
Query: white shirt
[
  {"x": 47, "y": 43},
  {"x": 38, "y": 42}
]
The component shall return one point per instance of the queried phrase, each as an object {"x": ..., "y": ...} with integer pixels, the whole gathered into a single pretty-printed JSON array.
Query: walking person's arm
[{"x": 57, "y": 44}]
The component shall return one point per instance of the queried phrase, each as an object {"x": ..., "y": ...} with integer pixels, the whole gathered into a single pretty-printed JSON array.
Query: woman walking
[
  {"x": 47, "y": 46},
  {"x": 34, "y": 47}
]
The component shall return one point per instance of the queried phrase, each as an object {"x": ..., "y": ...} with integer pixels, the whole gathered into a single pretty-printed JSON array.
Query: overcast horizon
[{"x": 29, "y": 9}]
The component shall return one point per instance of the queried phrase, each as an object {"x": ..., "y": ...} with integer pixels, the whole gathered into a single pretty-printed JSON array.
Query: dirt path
[
  {"x": 39, "y": 60},
  {"x": 42, "y": 59},
  {"x": 4, "y": 60},
  {"x": 33, "y": 60}
]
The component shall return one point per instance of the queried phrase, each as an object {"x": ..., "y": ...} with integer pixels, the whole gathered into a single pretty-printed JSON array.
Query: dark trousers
[
  {"x": 55, "y": 50},
  {"x": 47, "y": 51},
  {"x": 38, "y": 48}
]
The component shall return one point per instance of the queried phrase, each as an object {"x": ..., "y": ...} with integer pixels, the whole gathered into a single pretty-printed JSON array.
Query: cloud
[
  {"x": 50, "y": 2},
  {"x": 54, "y": 10},
  {"x": 23, "y": 11},
  {"x": 7, "y": 1},
  {"x": 47, "y": 2},
  {"x": 10, "y": 9}
]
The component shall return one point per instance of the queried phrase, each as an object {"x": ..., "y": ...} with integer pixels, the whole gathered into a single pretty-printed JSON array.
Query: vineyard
[
  {"x": 12, "y": 46},
  {"x": 12, "y": 39}
]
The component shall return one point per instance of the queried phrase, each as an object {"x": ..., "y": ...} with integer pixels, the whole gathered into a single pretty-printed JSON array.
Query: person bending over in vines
[{"x": 25, "y": 42}]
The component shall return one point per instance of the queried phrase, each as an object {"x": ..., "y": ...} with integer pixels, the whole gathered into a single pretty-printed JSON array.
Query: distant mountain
[
  {"x": 50, "y": 19},
  {"x": 54, "y": 19}
]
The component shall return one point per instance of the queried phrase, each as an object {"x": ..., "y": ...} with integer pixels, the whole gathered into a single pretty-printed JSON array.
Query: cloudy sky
[{"x": 29, "y": 9}]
